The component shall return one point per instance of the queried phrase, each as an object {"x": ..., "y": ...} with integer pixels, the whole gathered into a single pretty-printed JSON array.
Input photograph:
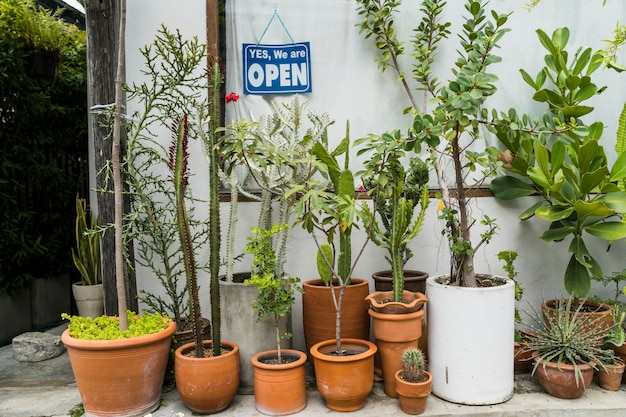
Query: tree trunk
[{"x": 101, "y": 21}]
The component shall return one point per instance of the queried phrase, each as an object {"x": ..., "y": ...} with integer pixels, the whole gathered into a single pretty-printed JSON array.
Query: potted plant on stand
[
  {"x": 566, "y": 351},
  {"x": 88, "y": 293},
  {"x": 213, "y": 365},
  {"x": 331, "y": 207},
  {"x": 278, "y": 371},
  {"x": 397, "y": 314},
  {"x": 458, "y": 311},
  {"x": 413, "y": 382},
  {"x": 125, "y": 344}
]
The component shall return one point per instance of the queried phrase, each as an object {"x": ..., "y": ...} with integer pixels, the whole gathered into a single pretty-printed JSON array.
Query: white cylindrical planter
[
  {"x": 470, "y": 342},
  {"x": 89, "y": 299}
]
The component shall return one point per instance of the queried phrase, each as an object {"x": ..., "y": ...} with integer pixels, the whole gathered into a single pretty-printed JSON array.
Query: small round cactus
[{"x": 413, "y": 365}]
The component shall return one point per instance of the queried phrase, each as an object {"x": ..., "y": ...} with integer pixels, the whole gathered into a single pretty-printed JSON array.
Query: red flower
[
  {"x": 232, "y": 97},
  {"x": 361, "y": 189}
]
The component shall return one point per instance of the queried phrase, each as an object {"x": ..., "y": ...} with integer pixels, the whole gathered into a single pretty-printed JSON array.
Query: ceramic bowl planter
[
  {"x": 397, "y": 326},
  {"x": 120, "y": 377},
  {"x": 279, "y": 390},
  {"x": 344, "y": 381},
  {"x": 207, "y": 385},
  {"x": 414, "y": 280},
  {"x": 413, "y": 395},
  {"x": 559, "y": 380},
  {"x": 611, "y": 378},
  {"x": 479, "y": 322},
  {"x": 318, "y": 311}
]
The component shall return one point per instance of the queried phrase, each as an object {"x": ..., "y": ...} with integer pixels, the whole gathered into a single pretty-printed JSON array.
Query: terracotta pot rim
[
  {"x": 180, "y": 352},
  {"x": 293, "y": 352},
  {"x": 601, "y": 308},
  {"x": 75, "y": 343},
  {"x": 416, "y": 301},
  {"x": 318, "y": 283},
  {"x": 371, "y": 348},
  {"x": 378, "y": 315},
  {"x": 428, "y": 380},
  {"x": 562, "y": 366}
]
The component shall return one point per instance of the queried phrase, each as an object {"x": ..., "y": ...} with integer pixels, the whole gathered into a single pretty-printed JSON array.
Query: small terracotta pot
[
  {"x": 561, "y": 383},
  {"x": 120, "y": 377},
  {"x": 522, "y": 359},
  {"x": 620, "y": 351},
  {"x": 395, "y": 333},
  {"x": 207, "y": 385},
  {"x": 318, "y": 312},
  {"x": 279, "y": 390},
  {"x": 413, "y": 395},
  {"x": 344, "y": 381},
  {"x": 611, "y": 378}
]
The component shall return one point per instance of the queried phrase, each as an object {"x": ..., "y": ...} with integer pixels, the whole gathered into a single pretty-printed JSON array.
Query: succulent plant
[{"x": 413, "y": 365}]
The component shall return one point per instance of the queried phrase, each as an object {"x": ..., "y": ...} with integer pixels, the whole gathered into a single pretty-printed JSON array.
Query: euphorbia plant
[
  {"x": 275, "y": 291},
  {"x": 395, "y": 191},
  {"x": 331, "y": 207}
]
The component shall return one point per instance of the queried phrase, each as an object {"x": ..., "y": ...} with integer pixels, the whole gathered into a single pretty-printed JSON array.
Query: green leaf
[
  {"x": 554, "y": 213},
  {"x": 557, "y": 234},
  {"x": 577, "y": 280},
  {"x": 324, "y": 257},
  {"x": 609, "y": 231},
  {"x": 530, "y": 211},
  {"x": 509, "y": 188},
  {"x": 618, "y": 171},
  {"x": 615, "y": 200}
]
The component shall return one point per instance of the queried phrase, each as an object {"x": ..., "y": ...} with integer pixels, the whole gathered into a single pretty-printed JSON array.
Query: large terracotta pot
[
  {"x": 595, "y": 314},
  {"x": 414, "y": 281},
  {"x": 395, "y": 331},
  {"x": 413, "y": 395},
  {"x": 89, "y": 299},
  {"x": 182, "y": 336},
  {"x": 207, "y": 385},
  {"x": 120, "y": 377},
  {"x": 279, "y": 390},
  {"x": 318, "y": 312},
  {"x": 611, "y": 378},
  {"x": 344, "y": 381},
  {"x": 559, "y": 380},
  {"x": 620, "y": 351}
]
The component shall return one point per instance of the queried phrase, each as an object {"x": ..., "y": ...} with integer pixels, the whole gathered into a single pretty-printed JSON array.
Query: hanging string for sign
[{"x": 270, "y": 22}]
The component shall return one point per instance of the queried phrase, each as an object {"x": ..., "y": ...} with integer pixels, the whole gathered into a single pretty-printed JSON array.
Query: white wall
[{"x": 347, "y": 85}]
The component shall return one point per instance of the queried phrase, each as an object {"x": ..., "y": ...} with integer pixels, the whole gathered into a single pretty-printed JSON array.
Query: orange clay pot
[
  {"x": 395, "y": 332},
  {"x": 279, "y": 390},
  {"x": 123, "y": 377},
  {"x": 318, "y": 312},
  {"x": 611, "y": 379},
  {"x": 207, "y": 385},
  {"x": 620, "y": 352},
  {"x": 344, "y": 381},
  {"x": 413, "y": 395},
  {"x": 561, "y": 383}
]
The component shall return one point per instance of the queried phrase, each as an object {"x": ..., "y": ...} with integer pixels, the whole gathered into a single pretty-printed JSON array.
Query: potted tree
[
  {"x": 413, "y": 382},
  {"x": 397, "y": 314},
  {"x": 278, "y": 371},
  {"x": 330, "y": 207},
  {"x": 117, "y": 354},
  {"x": 273, "y": 151},
  {"x": 87, "y": 293},
  {"x": 565, "y": 349},
  {"x": 447, "y": 132},
  {"x": 211, "y": 364}
]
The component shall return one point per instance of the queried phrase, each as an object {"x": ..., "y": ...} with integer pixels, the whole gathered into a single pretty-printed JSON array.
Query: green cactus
[{"x": 413, "y": 365}]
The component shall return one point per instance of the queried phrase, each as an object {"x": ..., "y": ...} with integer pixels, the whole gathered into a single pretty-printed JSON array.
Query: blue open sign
[{"x": 276, "y": 69}]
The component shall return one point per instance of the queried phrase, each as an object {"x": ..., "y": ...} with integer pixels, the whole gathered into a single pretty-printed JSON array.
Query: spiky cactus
[{"x": 413, "y": 365}]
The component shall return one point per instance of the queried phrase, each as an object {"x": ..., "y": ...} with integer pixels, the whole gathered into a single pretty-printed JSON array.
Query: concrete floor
[{"x": 48, "y": 389}]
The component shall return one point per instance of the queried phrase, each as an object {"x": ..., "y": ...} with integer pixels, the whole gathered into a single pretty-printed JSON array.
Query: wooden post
[{"x": 102, "y": 22}]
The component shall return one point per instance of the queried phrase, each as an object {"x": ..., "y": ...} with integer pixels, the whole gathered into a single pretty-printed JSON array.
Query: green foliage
[
  {"x": 275, "y": 291},
  {"x": 87, "y": 255},
  {"x": 567, "y": 336},
  {"x": 395, "y": 192},
  {"x": 616, "y": 336},
  {"x": 77, "y": 411},
  {"x": 509, "y": 257},
  {"x": 43, "y": 154},
  {"x": 107, "y": 327},
  {"x": 559, "y": 158},
  {"x": 413, "y": 365}
]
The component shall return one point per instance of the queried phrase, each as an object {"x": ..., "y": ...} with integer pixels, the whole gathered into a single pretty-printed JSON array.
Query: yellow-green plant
[{"x": 87, "y": 255}]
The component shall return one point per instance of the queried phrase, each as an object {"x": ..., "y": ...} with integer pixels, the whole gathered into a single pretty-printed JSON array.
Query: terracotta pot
[
  {"x": 413, "y": 395},
  {"x": 318, "y": 312},
  {"x": 611, "y": 378},
  {"x": 395, "y": 333},
  {"x": 522, "y": 361},
  {"x": 559, "y": 380},
  {"x": 207, "y": 385},
  {"x": 182, "y": 337},
  {"x": 382, "y": 301},
  {"x": 120, "y": 377},
  {"x": 89, "y": 299},
  {"x": 598, "y": 315},
  {"x": 344, "y": 381},
  {"x": 620, "y": 351},
  {"x": 414, "y": 281},
  {"x": 279, "y": 390}
]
